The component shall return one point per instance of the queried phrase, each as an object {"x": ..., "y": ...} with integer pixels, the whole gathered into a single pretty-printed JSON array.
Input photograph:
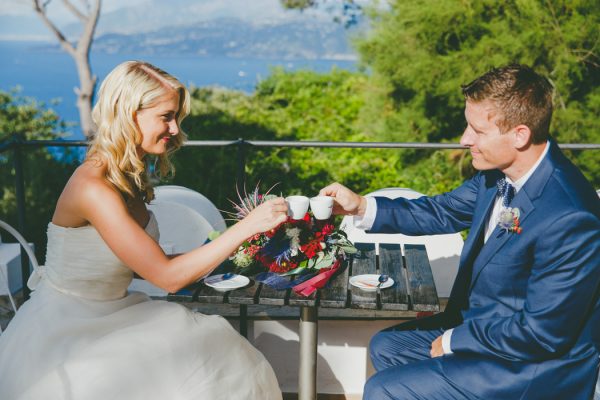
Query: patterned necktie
[{"x": 506, "y": 190}]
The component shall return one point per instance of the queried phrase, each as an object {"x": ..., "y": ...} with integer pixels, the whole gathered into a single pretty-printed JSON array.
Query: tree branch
[
  {"x": 91, "y": 22},
  {"x": 75, "y": 11},
  {"x": 41, "y": 11},
  {"x": 80, "y": 53},
  {"x": 558, "y": 96}
]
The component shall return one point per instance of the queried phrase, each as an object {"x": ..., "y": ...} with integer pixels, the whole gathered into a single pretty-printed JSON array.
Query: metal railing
[{"x": 17, "y": 144}]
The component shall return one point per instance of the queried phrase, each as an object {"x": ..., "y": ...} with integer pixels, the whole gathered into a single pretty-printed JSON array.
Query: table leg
[
  {"x": 307, "y": 377},
  {"x": 244, "y": 320}
]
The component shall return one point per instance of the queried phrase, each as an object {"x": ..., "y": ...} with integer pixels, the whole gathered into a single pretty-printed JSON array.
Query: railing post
[
  {"x": 20, "y": 194},
  {"x": 241, "y": 165}
]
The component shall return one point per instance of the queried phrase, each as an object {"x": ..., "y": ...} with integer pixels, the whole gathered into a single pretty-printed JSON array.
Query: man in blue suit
[{"x": 522, "y": 318}]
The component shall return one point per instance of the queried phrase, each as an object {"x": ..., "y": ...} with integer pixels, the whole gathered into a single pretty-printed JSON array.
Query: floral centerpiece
[{"x": 306, "y": 247}]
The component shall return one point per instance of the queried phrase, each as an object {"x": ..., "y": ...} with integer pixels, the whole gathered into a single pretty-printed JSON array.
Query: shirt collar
[{"x": 518, "y": 184}]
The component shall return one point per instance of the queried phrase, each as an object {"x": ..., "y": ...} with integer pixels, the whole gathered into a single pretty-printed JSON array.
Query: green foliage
[
  {"x": 286, "y": 106},
  {"x": 27, "y": 118},
  {"x": 420, "y": 52},
  {"x": 298, "y": 4},
  {"x": 303, "y": 106},
  {"x": 45, "y": 170}
]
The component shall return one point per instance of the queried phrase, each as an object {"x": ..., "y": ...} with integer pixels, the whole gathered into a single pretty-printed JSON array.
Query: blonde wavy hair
[{"x": 130, "y": 87}]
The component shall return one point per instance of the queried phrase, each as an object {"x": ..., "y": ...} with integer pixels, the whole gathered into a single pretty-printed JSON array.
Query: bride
[{"x": 81, "y": 335}]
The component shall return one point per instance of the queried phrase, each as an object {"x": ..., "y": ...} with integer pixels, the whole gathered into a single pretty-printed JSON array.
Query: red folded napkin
[{"x": 308, "y": 287}]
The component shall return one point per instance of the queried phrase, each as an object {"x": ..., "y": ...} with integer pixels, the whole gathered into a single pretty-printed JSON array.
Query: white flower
[
  {"x": 294, "y": 246},
  {"x": 508, "y": 219},
  {"x": 242, "y": 259},
  {"x": 293, "y": 233}
]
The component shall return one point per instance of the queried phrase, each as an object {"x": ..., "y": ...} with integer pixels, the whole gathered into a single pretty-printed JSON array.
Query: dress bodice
[{"x": 80, "y": 263}]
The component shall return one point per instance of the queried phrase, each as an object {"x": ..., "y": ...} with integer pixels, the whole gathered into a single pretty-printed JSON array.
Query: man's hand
[
  {"x": 436, "y": 348},
  {"x": 346, "y": 202}
]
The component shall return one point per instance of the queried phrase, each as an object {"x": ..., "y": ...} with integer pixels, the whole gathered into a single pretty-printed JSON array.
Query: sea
[{"x": 50, "y": 76}]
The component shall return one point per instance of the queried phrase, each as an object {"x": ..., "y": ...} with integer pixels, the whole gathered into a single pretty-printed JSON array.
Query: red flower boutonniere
[{"x": 509, "y": 220}]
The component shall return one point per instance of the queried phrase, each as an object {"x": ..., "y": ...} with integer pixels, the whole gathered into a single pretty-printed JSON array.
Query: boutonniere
[{"x": 509, "y": 220}]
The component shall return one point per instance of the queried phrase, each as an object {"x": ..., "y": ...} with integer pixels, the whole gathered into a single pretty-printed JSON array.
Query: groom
[{"x": 524, "y": 312}]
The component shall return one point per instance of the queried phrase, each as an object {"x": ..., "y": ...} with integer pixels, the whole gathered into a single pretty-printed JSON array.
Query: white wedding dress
[{"x": 82, "y": 336}]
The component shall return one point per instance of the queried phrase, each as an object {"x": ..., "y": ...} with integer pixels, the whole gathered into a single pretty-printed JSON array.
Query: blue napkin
[{"x": 277, "y": 282}]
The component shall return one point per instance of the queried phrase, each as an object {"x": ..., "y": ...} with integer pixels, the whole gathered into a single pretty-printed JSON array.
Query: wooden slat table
[{"x": 413, "y": 290}]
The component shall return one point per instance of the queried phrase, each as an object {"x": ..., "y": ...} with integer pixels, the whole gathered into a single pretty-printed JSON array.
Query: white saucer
[
  {"x": 369, "y": 282},
  {"x": 223, "y": 285}
]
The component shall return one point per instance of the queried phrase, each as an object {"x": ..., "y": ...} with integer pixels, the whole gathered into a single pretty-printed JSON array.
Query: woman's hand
[{"x": 267, "y": 216}]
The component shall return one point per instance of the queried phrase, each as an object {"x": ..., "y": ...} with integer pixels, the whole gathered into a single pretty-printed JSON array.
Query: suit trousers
[{"x": 405, "y": 369}]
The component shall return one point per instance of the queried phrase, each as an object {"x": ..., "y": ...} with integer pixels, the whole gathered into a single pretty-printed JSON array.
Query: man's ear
[{"x": 522, "y": 135}]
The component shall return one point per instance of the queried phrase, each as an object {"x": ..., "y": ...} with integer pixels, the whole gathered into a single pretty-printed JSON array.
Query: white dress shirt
[{"x": 366, "y": 222}]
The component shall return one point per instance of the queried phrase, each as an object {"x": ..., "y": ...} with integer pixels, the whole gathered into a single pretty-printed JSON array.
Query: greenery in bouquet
[{"x": 293, "y": 247}]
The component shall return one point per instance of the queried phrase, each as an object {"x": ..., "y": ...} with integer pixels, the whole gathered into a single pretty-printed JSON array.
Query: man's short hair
[{"x": 521, "y": 96}]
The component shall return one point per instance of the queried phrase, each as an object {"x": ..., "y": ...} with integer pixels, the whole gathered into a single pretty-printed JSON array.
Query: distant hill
[
  {"x": 235, "y": 38},
  {"x": 259, "y": 29}
]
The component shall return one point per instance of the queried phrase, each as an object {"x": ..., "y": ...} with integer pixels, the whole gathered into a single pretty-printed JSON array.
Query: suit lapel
[
  {"x": 472, "y": 244},
  {"x": 460, "y": 288},
  {"x": 524, "y": 201},
  {"x": 499, "y": 236}
]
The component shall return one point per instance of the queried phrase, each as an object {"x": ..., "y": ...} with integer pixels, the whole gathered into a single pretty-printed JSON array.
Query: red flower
[
  {"x": 285, "y": 266},
  {"x": 253, "y": 249},
  {"x": 266, "y": 261},
  {"x": 516, "y": 228},
  {"x": 311, "y": 248},
  {"x": 328, "y": 229}
]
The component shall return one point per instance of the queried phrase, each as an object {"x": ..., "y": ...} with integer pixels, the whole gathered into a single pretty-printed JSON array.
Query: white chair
[
  {"x": 194, "y": 200},
  {"x": 443, "y": 250},
  {"x": 181, "y": 229},
  {"x": 4, "y": 277}
]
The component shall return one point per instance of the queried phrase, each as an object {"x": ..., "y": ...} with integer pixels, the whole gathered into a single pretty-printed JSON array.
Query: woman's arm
[{"x": 106, "y": 210}]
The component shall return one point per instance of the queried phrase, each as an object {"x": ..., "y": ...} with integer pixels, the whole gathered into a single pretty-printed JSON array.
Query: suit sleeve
[
  {"x": 447, "y": 213},
  {"x": 561, "y": 294}
]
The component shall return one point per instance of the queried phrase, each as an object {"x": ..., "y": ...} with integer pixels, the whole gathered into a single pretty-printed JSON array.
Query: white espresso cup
[
  {"x": 321, "y": 206},
  {"x": 297, "y": 206}
]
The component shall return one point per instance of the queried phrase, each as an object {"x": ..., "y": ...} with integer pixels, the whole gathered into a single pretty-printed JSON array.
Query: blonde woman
[{"x": 82, "y": 335}]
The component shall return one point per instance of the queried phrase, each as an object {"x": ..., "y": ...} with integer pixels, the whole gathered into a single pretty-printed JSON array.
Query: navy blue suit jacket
[{"x": 525, "y": 307}]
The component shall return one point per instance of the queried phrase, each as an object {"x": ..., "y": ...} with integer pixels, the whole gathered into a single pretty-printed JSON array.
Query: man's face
[{"x": 489, "y": 148}]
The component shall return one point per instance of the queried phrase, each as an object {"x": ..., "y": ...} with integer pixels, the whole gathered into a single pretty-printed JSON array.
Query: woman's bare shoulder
[
  {"x": 86, "y": 188},
  {"x": 91, "y": 175}
]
